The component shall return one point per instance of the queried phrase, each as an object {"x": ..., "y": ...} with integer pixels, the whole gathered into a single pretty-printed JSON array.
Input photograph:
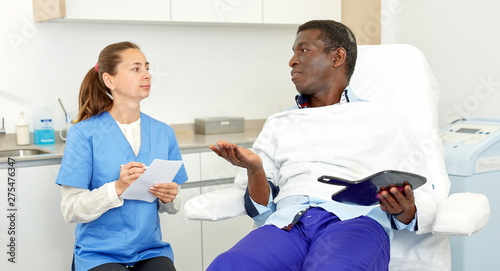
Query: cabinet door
[
  {"x": 184, "y": 235},
  {"x": 227, "y": 11},
  {"x": 130, "y": 10},
  {"x": 44, "y": 10},
  {"x": 219, "y": 236},
  {"x": 214, "y": 167},
  {"x": 301, "y": 11},
  {"x": 192, "y": 166},
  {"x": 44, "y": 241}
]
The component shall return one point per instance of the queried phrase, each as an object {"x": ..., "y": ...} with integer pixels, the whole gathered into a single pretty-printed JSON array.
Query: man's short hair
[{"x": 335, "y": 35}]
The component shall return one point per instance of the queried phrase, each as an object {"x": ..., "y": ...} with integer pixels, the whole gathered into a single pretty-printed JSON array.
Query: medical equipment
[{"x": 472, "y": 157}]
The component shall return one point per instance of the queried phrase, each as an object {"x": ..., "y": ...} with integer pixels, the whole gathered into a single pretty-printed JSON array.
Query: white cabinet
[
  {"x": 129, "y": 10},
  {"x": 184, "y": 235},
  {"x": 300, "y": 11},
  {"x": 196, "y": 243},
  {"x": 191, "y": 11},
  {"x": 214, "y": 167},
  {"x": 192, "y": 165},
  {"x": 217, "y": 11},
  {"x": 43, "y": 241},
  {"x": 219, "y": 236}
]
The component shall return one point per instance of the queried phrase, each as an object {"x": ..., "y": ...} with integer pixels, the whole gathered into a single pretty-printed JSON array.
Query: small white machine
[{"x": 472, "y": 156}]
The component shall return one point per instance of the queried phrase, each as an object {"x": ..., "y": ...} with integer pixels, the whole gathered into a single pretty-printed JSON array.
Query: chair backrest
[{"x": 399, "y": 76}]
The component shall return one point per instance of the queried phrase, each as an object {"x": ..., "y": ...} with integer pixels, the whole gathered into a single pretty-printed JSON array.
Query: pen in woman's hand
[{"x": 146, "y": 167}]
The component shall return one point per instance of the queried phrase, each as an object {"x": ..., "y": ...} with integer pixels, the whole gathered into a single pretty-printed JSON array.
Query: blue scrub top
[{"x": 95, "y": 149}]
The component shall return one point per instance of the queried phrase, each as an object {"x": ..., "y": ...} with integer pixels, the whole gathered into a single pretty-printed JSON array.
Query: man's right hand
[
  {"x": 238, "y": 156},
  {"x": 258, "y": 188}
]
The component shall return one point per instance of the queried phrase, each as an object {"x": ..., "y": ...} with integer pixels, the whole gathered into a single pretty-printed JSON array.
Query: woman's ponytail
[{"x": 93, "y": 98}]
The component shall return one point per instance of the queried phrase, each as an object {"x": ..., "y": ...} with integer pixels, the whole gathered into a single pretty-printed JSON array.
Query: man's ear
[
  {"x": 339, "y": 56},
  {"x": 108, "y": 81}
]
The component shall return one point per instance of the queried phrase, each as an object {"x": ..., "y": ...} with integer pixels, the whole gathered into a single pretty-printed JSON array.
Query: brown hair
[{"x": 95, "y": 97}]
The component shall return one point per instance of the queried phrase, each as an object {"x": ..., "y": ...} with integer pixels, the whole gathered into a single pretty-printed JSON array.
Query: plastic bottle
[
  {"x": 43, "y": 125},
  {"x": 22, "y": 130}
]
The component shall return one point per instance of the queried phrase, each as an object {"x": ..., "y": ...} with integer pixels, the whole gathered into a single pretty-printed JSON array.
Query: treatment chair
[{"x": 399, "y": 77}]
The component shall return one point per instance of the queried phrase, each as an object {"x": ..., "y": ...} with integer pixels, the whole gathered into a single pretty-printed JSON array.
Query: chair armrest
[
  {"x": 462, "y": 214},
  {"x": 216, "y": 205}
]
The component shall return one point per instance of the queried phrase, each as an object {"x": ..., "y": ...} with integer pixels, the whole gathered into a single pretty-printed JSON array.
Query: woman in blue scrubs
[{"x": 106, "y": 151}]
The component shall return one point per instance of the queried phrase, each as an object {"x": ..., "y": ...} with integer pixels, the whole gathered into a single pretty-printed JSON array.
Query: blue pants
[{"x": 319, "y": 241}]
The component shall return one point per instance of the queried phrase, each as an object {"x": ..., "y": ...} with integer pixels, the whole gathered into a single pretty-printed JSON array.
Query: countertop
[{"x": 189, "y": 142}]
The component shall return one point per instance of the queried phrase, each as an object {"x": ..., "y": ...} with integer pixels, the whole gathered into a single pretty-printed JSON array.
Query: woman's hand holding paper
[{"x": 166, "y": 192}]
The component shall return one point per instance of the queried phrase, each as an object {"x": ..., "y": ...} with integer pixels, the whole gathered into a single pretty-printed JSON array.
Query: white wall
[
  {"x": 461, "y": 41},
  {"x": 198, "y": 71}
]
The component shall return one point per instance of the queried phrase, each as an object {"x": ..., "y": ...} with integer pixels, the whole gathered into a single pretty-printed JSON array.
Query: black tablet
[{"x": 365, "y": 191}]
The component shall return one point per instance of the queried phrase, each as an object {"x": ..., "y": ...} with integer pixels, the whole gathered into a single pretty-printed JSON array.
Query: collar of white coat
[{"x": 346, "y": 97}]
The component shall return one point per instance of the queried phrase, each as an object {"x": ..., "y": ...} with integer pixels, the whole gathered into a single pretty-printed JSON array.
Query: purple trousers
[{"x": 318, "y": 241}]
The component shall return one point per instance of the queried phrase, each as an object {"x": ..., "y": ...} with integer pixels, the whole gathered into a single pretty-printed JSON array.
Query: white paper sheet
[{"x": 160, "y": 171}]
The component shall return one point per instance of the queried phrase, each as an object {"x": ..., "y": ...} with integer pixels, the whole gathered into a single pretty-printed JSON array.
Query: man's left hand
[{"x": 399, "y": 204}]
